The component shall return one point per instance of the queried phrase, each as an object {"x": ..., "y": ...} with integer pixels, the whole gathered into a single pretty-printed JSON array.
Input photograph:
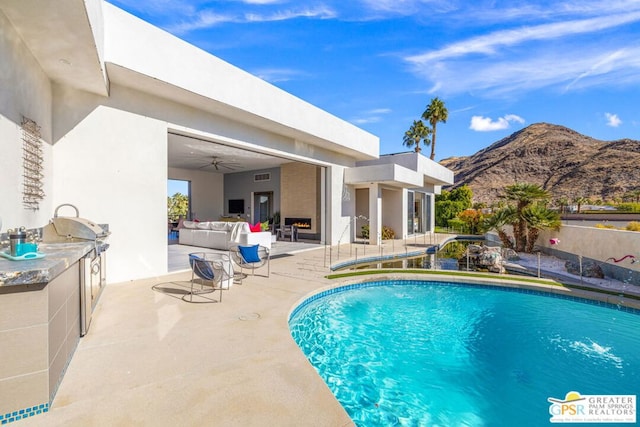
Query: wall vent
[{"x": 261, "y": 177}]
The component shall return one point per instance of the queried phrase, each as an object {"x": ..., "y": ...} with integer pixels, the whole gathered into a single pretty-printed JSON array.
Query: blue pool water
[{"x": 431, "y": 354}]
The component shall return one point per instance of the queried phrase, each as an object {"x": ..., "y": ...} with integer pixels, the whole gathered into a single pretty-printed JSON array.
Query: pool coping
[{"x": 553, "y": 287}]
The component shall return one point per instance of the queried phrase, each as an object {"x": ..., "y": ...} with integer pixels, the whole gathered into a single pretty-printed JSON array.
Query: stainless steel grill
[{"x": 92, "y": 266}]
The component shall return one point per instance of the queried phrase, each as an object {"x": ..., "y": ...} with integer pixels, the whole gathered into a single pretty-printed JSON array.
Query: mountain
[{"x": 560, "y": 160}]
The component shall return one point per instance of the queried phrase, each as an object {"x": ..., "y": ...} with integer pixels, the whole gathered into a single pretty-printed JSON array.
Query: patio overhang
[
  {"x": 388, "y": 174},
  {"x": 146, "y": 58},
  {"x": 405, "y": 170},
  {"x": 66, "y": 37}
]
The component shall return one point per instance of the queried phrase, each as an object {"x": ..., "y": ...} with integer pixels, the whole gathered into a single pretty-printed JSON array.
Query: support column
[{"x": 375, "y": 214}]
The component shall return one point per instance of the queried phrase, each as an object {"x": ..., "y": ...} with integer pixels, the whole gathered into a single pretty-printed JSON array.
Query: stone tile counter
[
  {"x": 58, "y": 258},
  {"x": 39, "y": 326}
]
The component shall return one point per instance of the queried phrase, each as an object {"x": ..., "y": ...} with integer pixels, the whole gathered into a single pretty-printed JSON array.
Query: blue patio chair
[
  {"x": 250, "y": 257},
  {"x": 212, "y": 269}
]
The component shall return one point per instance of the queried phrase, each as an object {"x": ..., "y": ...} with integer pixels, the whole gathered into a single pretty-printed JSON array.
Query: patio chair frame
[
  {"x": 209, "y": 267},
  {"x": 238, "y": 259}
]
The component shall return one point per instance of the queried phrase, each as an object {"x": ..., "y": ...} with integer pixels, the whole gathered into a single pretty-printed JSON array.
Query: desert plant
[
  {"x": 435, "y": 112},
  {"x": 457, "y": 225},
  {"x": 387, "y": 232},
  {"x": 524, "y": 195},
  {"x": 472, "y": 218},
  {"x": 633, "y": 226},
  {"x": 417, "y": 133},
  {"x": 607, "y": 226},
  {"x": 538, "y": 217},
  {"x": 364, "y": 231},
  {"x": 498, "y": 220}
]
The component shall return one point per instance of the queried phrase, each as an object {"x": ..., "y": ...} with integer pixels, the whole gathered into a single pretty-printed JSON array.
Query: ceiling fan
[{"x": 218, "y": 163}]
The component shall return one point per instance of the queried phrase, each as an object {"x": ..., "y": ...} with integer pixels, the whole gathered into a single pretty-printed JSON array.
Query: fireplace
[{"x": 300, "y": 223}]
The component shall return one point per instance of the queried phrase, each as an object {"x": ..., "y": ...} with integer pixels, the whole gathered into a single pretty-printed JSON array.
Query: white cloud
[
  {"x": 275, "y": 75},
  {"x": 371, "y": 116},
  {"x": 207, "y": 19},
  {"x": 514, "y": 118},
  {"x": 568, "y": 55},
  {"x": 408, "y": 7},
  {"x": 283, "y": 15},
  {"x": 613, "y": 120},
  {"x": 490, "y": 43},
  {"x": 380, "y": 111},
  {"x": 486, "y": 124}
]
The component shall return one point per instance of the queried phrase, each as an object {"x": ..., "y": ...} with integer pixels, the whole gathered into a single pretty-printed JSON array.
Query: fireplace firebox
[{"x": 300, "y": 223}]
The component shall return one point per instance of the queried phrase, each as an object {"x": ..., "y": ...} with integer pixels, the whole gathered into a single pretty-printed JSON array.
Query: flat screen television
[{"x": 236, "y": 206}]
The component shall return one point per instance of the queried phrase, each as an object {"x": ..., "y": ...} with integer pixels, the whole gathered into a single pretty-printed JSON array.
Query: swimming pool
[{"x": 433, "y": 353}]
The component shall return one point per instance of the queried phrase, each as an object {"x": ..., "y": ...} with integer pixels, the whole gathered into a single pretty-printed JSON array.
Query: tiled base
[{"x": 23, "y": 413}]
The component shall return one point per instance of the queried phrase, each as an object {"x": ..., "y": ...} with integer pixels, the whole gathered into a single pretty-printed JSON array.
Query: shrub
[
  {"x": 446, "y": 210},
  {"x": 633, "y": 226},
  {"x": 629, "y": 207},
  {"x": 608, "y": 226},
  {"x": 387, "y": 232},
  {"x": 458, "y": 225}
]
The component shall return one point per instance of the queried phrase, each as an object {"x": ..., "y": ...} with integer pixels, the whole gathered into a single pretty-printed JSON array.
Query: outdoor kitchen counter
[
  {"x": 40, "y": 326},
  {"x": 58, "y": 258}
]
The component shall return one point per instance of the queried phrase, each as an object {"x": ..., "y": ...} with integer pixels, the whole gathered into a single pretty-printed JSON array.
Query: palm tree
[
  {"x": 417, "y": 132},
  {"x": 524, "y": 195},
  {"x": 633, "y": 195},
  {"x": 435, "y": 112},
  {"x": 562, "y": 203},
  {"x": 498, "y": 220},
  {"x": 580, "y": 201},
  {"x": 538, "y": 217}
]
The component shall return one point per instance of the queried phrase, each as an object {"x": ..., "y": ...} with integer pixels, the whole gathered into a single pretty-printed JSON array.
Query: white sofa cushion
[
  {"x": 219, "y": 226},
  {"x": 213, "y": 234},
  {"x": 262, "y": 238}
]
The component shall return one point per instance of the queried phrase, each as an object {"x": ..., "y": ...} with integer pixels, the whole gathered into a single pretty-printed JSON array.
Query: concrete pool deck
[{"x": 151, "y": 358}]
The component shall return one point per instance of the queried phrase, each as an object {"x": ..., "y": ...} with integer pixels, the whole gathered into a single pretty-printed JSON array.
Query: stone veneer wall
[{"x": 299, "y": 197}]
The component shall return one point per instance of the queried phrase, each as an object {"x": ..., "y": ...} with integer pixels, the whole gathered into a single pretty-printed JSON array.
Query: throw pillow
[
  {"x": 250, "y": 253},
  {"x": 254, "y": 228},
  {"x": 264, "y": 226}
]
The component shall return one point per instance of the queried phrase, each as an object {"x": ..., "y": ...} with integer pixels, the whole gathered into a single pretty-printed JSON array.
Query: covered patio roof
[{"x": 403, "y": 170}]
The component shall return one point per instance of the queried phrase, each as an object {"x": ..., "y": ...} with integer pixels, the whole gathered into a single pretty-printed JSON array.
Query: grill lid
[
  {"x": 76, "y": 227},
  {"x": 79, "y": 228}
]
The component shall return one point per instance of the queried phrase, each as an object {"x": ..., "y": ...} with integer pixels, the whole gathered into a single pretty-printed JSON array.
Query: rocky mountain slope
[{"x": 560, "y": 160}]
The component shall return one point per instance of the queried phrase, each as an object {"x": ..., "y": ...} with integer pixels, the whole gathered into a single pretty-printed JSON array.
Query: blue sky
[{"x": 499, "y": 66}]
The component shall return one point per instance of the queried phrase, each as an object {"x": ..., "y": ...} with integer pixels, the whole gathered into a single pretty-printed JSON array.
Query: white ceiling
[
  {"x": 189, "y": 152},
  {"x": 60, "y": 37}
]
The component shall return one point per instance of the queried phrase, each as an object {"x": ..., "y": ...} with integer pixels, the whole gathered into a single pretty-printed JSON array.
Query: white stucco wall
[
  {"x": 24, "y": 91},
  {"x": 595, "y": 243},
  {"x": 112, "y": 165}
]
